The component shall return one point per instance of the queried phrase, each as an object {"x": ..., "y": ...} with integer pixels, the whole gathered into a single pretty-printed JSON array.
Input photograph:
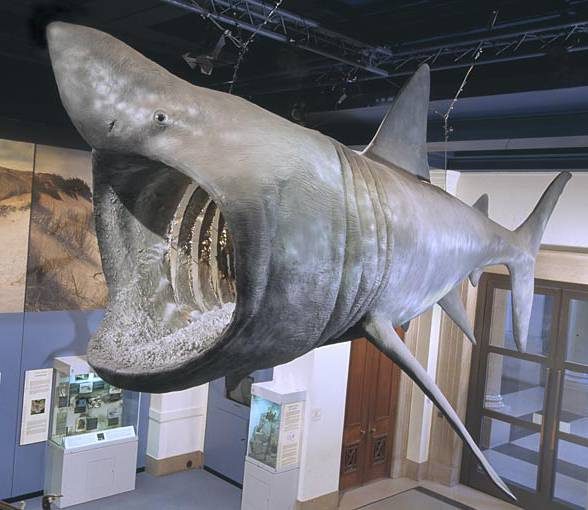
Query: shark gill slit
[{"x": 352, "y": 302}]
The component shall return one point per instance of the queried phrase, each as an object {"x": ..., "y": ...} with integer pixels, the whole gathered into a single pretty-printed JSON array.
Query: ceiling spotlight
[{"x": 206, "y": 61}]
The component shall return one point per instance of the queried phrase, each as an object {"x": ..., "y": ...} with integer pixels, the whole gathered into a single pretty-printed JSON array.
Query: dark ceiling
[{"x": 335, "y": 64}]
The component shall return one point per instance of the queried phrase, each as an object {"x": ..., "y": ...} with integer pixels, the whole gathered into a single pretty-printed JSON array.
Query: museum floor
[{"x": 200, "y": 490}]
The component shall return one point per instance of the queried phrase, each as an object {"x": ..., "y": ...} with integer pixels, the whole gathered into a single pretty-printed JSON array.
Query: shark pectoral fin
[
  {"x": 233, "y": 379},
  {"x": 381, "y": 333},
  {"x": 453, "y": 306},
  {"x": 401, "y": 139}
]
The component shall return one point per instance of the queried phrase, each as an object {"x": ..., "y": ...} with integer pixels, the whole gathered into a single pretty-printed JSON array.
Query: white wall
[
  {"x": 323, "y": 373},
  {"x": 177, "y": 422},
  {"x": 513, "y": 196},
  {"x": 324, "y": 417}
]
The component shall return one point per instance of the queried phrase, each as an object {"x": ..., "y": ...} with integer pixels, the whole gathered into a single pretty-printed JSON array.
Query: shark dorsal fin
[{"x": 401, "y": 139}]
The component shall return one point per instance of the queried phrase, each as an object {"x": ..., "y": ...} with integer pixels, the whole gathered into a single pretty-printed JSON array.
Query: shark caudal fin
[
  {"x": 522, "y": 265},
  {"x": 401, "y": 139}
]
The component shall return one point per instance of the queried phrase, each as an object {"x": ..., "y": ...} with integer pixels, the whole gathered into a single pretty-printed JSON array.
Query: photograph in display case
[{"x": 83, "y": 403}]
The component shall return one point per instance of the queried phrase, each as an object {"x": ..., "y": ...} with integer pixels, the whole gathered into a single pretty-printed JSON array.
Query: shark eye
[{"x": 160, "y": 117}]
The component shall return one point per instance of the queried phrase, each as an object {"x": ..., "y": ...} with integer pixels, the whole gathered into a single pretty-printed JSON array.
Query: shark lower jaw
[{"x": 169, "y": 259}]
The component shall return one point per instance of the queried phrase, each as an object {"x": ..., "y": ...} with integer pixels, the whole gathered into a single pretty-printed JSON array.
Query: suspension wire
[
  {"x": 245, "y": 47},
  {"x": 446, "y": 127}
]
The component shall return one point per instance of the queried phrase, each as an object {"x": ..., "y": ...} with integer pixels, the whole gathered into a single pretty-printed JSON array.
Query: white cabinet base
[
  {"x": 88, "y": 473},
  {"x": 264, "y": 490}
]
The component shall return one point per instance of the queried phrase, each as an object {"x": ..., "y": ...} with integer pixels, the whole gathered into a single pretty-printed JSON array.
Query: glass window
[
  {"x": 571, "y": 474},
  {"x": 501, "y": 333},
  {"x": 577, "y": 340},
  {"x": 515, "y": 387},
  {"x": 573, "y": 417},
  {"x": 512, "y": 450}
]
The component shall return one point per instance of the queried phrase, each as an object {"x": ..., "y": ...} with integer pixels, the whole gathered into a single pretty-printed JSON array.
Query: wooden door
[{"x": 372, "y": 391}]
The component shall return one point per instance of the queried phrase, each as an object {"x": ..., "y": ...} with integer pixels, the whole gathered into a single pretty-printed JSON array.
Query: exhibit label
[{"x": 36, "y": 406}]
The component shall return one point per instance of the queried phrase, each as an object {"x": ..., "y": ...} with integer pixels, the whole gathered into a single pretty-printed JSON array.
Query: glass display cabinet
[
  {"x": 83, "y": 403},
  {"x": 92, "y": 447},
  {"x": 273, "y": 447}
]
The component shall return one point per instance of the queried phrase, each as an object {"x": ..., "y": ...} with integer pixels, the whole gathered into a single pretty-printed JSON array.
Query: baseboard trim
[
  {"x": 416, "y": 471},
  {"x": 184, "y": 462},
  {"x": 443, "y": 474},
  {"x": 325, "y": 502},
  {"x": 223, "y": 477}
]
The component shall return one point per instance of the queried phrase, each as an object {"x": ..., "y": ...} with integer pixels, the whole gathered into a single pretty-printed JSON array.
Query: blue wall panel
[
  {"x": 46, "y": 336},
  {"x": 11, "y": 325},
  {"x": 27, "y": 342}
]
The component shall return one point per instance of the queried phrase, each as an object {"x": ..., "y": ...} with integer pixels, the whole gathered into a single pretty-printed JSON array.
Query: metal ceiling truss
[
  {"x": 509, "y": 41},
  {"x": 291, "y": 29}
]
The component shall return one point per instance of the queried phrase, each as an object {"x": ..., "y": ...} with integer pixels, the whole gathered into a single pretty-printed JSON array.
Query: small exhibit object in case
[
  {"x": 275, "y": 427},
  {"x": 92, "y": 435},
  {"x": 273, "y": 448}
]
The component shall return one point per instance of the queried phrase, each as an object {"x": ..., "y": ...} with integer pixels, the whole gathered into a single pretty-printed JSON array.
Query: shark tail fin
[{"x": 522, "y": 265}]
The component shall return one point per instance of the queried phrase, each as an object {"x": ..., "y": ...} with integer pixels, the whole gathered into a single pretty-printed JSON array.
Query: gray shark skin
[{"x": 317, "y": 243}]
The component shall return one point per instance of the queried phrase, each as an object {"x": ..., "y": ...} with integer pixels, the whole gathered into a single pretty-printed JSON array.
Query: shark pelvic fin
[
  {"x": 381, "y": 333},
  {"x": 481, "y": 205},
  {"x": 401, "y": 139},
  {"x": 522, "y": 265},
  {"x": 453, "y": 306}
]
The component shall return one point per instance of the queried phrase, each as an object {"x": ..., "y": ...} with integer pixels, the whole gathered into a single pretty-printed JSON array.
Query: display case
[
  {"x": 92, "y": 447},
  {"x": 275, "y": 427},
  {"x": 273, "y": 448},
  {"x": 83, "y": 403}
]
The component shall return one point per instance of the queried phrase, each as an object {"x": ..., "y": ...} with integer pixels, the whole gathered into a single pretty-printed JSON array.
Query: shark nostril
[{"x": 111, "y": 125}]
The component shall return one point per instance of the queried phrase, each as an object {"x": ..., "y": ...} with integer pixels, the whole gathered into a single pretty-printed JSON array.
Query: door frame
[
  {"x": 370, "y": 360},
  {"x": 555, "y": 364}
]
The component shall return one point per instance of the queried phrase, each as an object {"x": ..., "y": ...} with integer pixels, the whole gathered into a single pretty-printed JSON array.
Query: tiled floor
[
  {"x": 418, "y": 497},
  {"x": 380, "y": 495},
  {"x": 189, "y": 490},
  {"x": 200, "y": 490}
]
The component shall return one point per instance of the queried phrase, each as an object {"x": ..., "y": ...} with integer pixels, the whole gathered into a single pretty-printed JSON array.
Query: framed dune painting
[
  {"x": 64, "y": 268},
  {"x": 16, "y": 177}
]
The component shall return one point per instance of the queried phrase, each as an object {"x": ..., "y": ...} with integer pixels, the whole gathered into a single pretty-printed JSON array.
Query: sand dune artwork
[
  {"x": 16, "y": 177},
  {"x": 64, "y": 270}
]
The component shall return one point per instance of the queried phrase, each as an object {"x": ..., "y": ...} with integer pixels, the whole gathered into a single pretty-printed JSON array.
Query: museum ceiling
[{"x": 335, "y": 65}]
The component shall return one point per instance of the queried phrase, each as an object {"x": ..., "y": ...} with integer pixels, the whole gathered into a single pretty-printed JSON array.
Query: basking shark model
[{"x": 234, "y": 240}]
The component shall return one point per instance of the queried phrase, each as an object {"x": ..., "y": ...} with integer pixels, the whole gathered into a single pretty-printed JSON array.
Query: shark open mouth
[{"x": 173, "y": 287}]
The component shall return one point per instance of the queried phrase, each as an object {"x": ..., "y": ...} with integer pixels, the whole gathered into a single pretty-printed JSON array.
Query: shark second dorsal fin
[
  {"x": 481, "y": 205},
  {"x": 401, "y": 139}
]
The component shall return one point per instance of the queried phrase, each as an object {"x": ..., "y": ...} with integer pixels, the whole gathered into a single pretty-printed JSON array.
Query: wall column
[
  {"x": 177, "y": 422},
  {"x": 423, "y": 340},
  {"x": 323, "y": 374}
]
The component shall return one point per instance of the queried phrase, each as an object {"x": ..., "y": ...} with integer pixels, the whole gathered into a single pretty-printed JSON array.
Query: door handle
[{"x": 373, "y": 431}]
